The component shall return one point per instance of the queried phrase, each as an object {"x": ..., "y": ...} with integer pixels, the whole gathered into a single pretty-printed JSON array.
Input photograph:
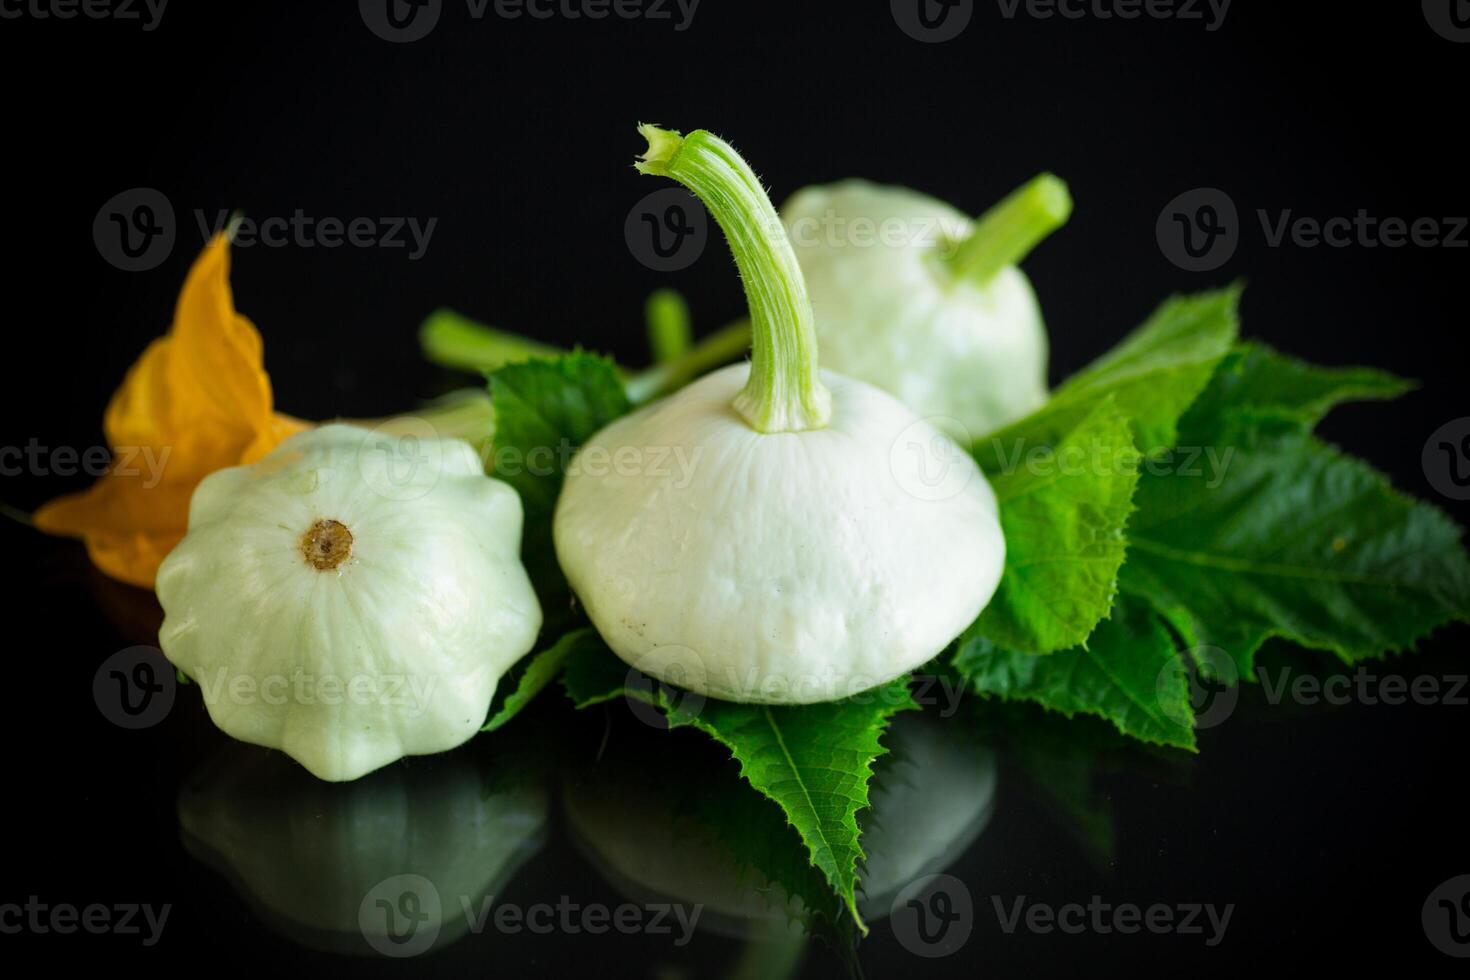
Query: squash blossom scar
[{"x": 326, "y": 544}]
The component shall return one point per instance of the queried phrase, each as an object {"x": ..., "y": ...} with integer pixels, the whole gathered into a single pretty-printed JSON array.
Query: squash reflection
[
  {"x": 683, "y": 830},
  {"x": 380, "y": 865}
]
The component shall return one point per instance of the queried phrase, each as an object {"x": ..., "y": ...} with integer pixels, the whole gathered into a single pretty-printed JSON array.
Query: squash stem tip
[{"x": 1006, "y": 234}]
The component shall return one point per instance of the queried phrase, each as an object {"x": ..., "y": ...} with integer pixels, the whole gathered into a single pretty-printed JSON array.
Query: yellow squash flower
[{"x": 198, "y": 400}]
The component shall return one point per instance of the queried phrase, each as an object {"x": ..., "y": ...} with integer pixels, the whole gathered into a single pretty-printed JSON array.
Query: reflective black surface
[{"x": 1324, "y": 828}]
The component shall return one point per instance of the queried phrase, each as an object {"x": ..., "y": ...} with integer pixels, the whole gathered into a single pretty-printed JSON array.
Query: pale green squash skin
[
  {"x": 890, "y": 313},
  {"x": 784, "y": 568},
  {"x": 396, "y": 650}
]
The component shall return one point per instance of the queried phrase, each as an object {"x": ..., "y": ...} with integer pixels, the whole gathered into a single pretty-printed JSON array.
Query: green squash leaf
[
  {"x": 1128, "y": 673},
  {"x": 1299, "y": 541},
  {"x": 1153, "y": 375},
  {"x": 545, "y": 409},
  {"x": 729, "y": 840},
  {"x": 1257, "y": 392},
  {"x": 758, "y": 835},
  {"x": 814, "y": 761},
  {"x": 1063, "y": 511},
  {"x": 1289, "y": 537},
  {"x": 530, "y": 675},
  {"x": 595, "y": 676}
]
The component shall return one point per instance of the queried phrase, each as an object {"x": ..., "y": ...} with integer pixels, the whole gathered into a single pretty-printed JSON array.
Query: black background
[{"x": 1327, "y": 828}]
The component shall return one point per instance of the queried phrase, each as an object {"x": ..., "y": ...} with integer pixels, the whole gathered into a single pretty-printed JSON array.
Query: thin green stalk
[
  {"x": 721, "y": 347},
  {"x": 16, "y": 514},
  {"x": 452, "y": 340},
  {"x": 784, "y": 392},
  {"x": 464, "y": 414},
  {"x": 669, "y": 330},
  {"x": 1007, "y": 233}
]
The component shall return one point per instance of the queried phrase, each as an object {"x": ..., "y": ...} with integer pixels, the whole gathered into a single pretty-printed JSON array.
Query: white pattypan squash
[
  {"x": 779, "y": 568},
  {"x": 350, "y": 599},
  {"x": 819, "y": 538},
  {"x": 891, "y": 312}
]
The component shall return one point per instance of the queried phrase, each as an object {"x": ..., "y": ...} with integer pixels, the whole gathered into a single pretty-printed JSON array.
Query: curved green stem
[
  {"x": 1008, "y": 232},
  {"x": 785, "y": 392}
]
